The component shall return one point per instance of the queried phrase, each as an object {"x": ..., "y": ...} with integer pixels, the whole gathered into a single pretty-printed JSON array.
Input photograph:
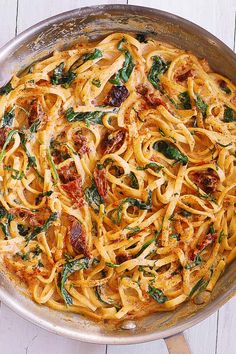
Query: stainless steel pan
[{"x": 95, "y": 22}]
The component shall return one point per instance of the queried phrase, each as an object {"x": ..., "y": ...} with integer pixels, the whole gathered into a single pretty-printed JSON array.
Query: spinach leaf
[
  {"x": 157, "y": 294},
  {"x": 96, "y": 82},
  {"x": 6, "y": 89},
  {"x": 97, "y": 53},
  {"x": 124, "y": 73},
  {"x": 176, "y": 235},
  {"x": 221, "y": 236},
  {"x": 201, "y": 105},
  {"x": 202, "y": 283},
  {"x": 88, "y": 117},
  {"x": 120, "y": 45},
  {"x": 89, "y": 56},
  {"x": 3, "y": 212},
  {"x": 185, "y": 213},
  {"x": 228, "y": 115},
  {"x": 209, "y": 197},
  {"x": 31, "y": 159},
  {"x": 185, "y": 101},
  {"x": 112, "y": 265},
  {"x": 92, "y": 197},
  {"x": 5, "y": 230},
  {"x": 100, "y": 296},
  {"x": 177, "y": 106},
  {"x": 69, "y": 268},
  {"x": 132, "y": 202},
  {"x": 152, "y": 165},
  {"x": 158, "y": 68},
  {"x": 23, "y": 230},
  {"x": 4, "y": 225},
  {"x": 23, "y": 256},
  {"x": 224, "y": 145},
  {"x": 127, "y": 68},
  {"x": 34, "y": 126},
  {"x": 8, "y": 117},
  {"x": 42, "y": 228},
  {"x": 139, "y": 203},
  {"x": 68, "y": 78},
  {"x": 224, "y": 87},
  {"x": 133, "y": 180},
  {"x": 41, "y": 195},
  {"x": 212, "y": 229},
  {"x": 170, "y": 151},
  {"x": 36, "y": 251},
  {"x": 19, "y": 175},
  {"x": 8, "y": 140},
  {"x": 145, "y": 245},
  {"x": 56, "y": 78},
  {"x": 60, "y": 77},
  {"x": 197, "y": 261},
  {"x": 53, "y": 166},
  {"x": 116, "y": 79},
  {"x": 134, "y": 230}
]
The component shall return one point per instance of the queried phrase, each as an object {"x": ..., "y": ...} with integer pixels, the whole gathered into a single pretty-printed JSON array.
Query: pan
[{"x": 60, "y": 32}]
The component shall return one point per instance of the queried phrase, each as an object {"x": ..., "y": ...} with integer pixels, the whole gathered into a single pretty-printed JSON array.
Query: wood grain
[
  {"x": 7, "y": 20},
  {"x": 215, "y": 16}
]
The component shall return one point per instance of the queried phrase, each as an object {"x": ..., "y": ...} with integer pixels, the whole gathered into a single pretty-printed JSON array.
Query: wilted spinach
[
  {"x": 42, "y": 228},
  {"x": 133, "y": 180},
  {"x": 185, "y": 101},
  {"x": 152, "y": 165},
  {"x": 201, "y": 105},
  {"x": 4, "y": 90},
  {"x": 69, "y": 268},
  {"x": 92, "y": 197},
  {"x": 132, "y": 202},
  {"x": 97, "y": 53},
  {"x": 157, "y": 294},
  {"x": 228, "y": 115},
  {"x": 61, "y": 77},
  {"x": 158, "y": 68},
  {"x": 8, "y": 140},
  {"x": 87, "y": 117},
  {"x": 170, "y": 151}
]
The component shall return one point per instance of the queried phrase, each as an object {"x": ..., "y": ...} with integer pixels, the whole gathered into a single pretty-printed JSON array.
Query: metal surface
[{"x": 95, "y": 22}]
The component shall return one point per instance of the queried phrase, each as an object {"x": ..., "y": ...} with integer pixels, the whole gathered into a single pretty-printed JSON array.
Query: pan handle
[{"x": 177, "y": 344}]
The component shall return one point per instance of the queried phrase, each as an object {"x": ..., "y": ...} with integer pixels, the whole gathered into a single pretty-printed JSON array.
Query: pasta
[{"x": 117, "y": 177}]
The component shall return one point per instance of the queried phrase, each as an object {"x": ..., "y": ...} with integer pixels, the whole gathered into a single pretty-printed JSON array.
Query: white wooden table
[{"x": 215, "y": 335}]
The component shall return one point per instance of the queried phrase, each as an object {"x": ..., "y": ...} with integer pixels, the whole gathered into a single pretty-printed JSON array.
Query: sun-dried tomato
[
  {"x": 101, "y": 181},
  {"x": 117, "y": 95},
  {"x": 184, "y": 76},
  {"x": 77, "y": 237},
  {"x": 113, "y": 141},
  {"x": 207, "y": 180},
  {"x": 3, "y": 135}
]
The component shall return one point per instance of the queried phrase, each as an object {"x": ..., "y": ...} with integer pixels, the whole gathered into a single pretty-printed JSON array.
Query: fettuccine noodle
[{"x": 117, "y": 177}]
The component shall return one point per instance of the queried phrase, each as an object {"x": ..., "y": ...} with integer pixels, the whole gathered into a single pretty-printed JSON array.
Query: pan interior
[{"x": 94, "y": 23}]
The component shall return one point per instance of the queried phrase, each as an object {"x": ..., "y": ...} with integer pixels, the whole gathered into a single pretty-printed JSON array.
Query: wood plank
[
  {"x": 226, "y": 339},
  {"x": 202, "y": 337},
  {"x": 215, "y": 16},
  {"x": 156, "y": 347},
  {"x": 18, "y": 336},
  {"x": 41, "y": 9},
  {"x": 7, "y": 20}
]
